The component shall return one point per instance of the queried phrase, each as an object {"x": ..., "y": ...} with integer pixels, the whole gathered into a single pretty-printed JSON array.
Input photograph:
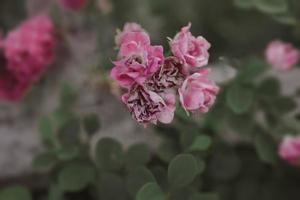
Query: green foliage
[
  {"x": 46, "y": 131},
  {"x": 136, "y": 178},
  {"x": 201, "y": 143},
  {"x": 75, "y": 177},
  {"x": 45, "y": 160},
  {"x": 91, "y": 123},
  {"x": 272, "y": 6},
  {"x": 269, "y": 88},
  {"x": 265, "y": 148},
  {"x": 239, "y": 98},
  {"x": 15, "y": 193},
  {"x": 109, "y": 154},
  {"x": 138, "y": 154},
  {"x": 245, "y": 4},
  {"x": 150, "y": 191},
  {"x": 67, "y": 96},
  {"x": 182, "y": 170},
  {"x": 55, "y": 193},
  {"x": 111, "y": 186},
  {"x": 204, "y": 196},
  {"x": 252, "y": 69}
]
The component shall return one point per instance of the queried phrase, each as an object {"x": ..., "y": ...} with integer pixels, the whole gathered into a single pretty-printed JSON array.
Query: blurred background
[{"x": 239, "y": 166}]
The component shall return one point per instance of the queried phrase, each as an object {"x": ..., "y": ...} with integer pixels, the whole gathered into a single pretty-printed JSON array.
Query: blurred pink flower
[
  {"x": 282, "y": 55},
  {"x": 147, "y": 106},
  {"x": 128, "y": 28},
  {"x": 73, "y": 4},
  {"x": 198, "y": 92},
  {"x": 170, "y": 75},
  {"x": 11, "y": 88},
  {"x": 193, "y": 51},
  {"x": 138, "y": 60},
  {"x": 289, "y": 149},
  {"x": 29, "y": 48}
]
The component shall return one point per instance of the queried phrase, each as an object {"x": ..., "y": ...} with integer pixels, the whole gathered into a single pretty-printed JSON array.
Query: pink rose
[
  {"x": 128, "y": 28},
  {"x": 170, "y": 75},
  {"x": 73, "y": 4},
  {"x": 193, "y": 51},
  {"x": 138, "y": 60},
  {"x": 198, "y": 92},
  {"x": 30, "y": 47},
  {"x": 146, "y": 106},
  {"x": 289, "y": 149},
  {"x": 11, "y": 88},
  {"x": 281, "y": 55}
]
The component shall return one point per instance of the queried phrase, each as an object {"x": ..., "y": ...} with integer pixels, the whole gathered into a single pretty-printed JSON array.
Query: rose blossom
[
  {"x": 198, "y": 92},
  {"x": 147, "y": 106},
  {"x": 193, "y": 51},
  {"x": 11, "y": 88},
  {"x": 281, "y": 55},
  {"x": 138, "y": 60},
  {"x": 30, "y": 48},
  {"x": 73, "y": 4},
  {"x": 128, "y": 27},
  {"x": 289, "y": 149},
  {"x": 170, "y": 75}
]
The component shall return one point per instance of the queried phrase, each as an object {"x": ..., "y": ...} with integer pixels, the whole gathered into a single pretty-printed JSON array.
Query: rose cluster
[
  {"x": 25, "y": 53},
  {"x": 152, "y": 80}
]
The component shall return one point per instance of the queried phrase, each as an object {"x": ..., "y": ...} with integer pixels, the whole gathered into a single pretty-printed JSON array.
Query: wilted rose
[
  {"x": 170, "y": 75},
  {"x": 147, "y": 106}
]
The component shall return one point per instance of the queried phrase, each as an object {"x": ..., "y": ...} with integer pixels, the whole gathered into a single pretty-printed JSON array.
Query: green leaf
[
  {"x": 46, "y": 130},
  {"x": 61, "y": 117},
  {"x": 182, "y": 170},
  {"x": 271, "y": 6},
  {"x": 138, "y": 154},
  {"x": 284, "y": 105},
  {"x": 15, "y": 193},
  {"x": 68, "y": 134},
  {"x": 201, "y": 166},
  {"x": 269, "y": 88},
  {"x": 204, "y": 196},
  {"x": 112, "y": 187},
  {"x": 67, "y": 96},
  {"x": 201, "y": 143},
  {"x": 91, "y": 124},
  {"x": 44, "y": 161},
  {"x": 252, "y": 69},
  {"x": 167, "y": 150},
  {"x": 265, "y": 148},
  {"x": 137, "y": 178},
  {"x": 109, "y": 154},
  {"x": 241, "y": 124},
  {"x": 150, "y": 191},
  {"x": 68, "y": 153},
  {"x": 75, "y": 177},
  {"x": 226, "y": 159},
  {"x": 55, "y": 193},
  {"x": 244, "y": 4},
  {"x": 239, "y": 99},
  {"x": 160, "y": 174},
  {"x": 285, "y": 18}
]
